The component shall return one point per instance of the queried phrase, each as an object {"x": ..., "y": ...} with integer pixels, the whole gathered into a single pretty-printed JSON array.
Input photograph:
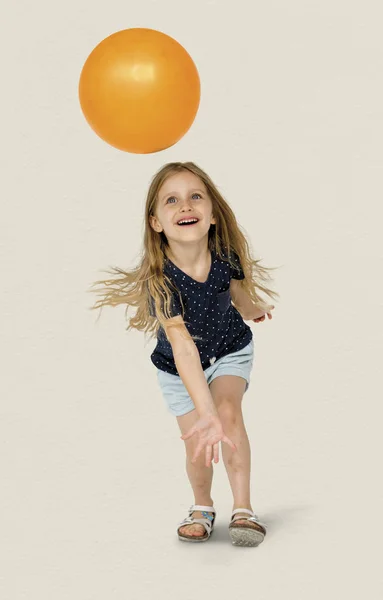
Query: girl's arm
[
  {"x": 188, "y": 363},
  {"x": 242, "y": 301}
]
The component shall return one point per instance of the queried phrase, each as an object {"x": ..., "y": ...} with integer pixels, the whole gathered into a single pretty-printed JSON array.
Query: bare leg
[
  {"x": 227, "y": 392},
  {"x": 238, "y": 464},
  {"x": 199, "y": 475}
]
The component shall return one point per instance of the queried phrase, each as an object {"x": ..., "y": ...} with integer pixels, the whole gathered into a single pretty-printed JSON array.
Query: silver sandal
[
  {"x": 207, "y": 521},
  {"x": 246, "y": 535}
]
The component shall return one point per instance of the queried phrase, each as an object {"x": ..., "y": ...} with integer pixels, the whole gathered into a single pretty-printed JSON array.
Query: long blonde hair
[{"x": 135, "y": 287}]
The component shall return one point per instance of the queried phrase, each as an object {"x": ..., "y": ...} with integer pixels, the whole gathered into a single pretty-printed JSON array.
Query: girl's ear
[{"x": 155, "y": 224}]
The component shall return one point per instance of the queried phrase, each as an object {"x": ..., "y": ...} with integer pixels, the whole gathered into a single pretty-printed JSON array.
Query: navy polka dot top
[{"x": 210, "y": 313}]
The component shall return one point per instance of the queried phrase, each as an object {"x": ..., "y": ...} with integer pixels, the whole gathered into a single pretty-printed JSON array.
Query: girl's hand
[
  {"x": 260, "y": 314},
  {"x": 209, "y": 431}
]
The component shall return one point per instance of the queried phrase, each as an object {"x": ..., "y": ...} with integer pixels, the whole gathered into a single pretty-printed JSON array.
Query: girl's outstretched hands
[
  {"x": 209, "y": 431},
  {"x": 260, "y": 314}
]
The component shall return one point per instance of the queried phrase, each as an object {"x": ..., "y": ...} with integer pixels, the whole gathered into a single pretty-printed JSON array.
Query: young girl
[{"x": 194, "y": 289}]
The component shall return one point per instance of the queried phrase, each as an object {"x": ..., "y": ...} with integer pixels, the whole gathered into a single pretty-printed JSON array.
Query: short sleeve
[
  {"x": 237, "y": 272},
  {"x": 175, "y": 305}
]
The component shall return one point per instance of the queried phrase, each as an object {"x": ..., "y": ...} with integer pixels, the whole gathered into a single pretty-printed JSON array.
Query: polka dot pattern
[{"x": 210, "y": 314}]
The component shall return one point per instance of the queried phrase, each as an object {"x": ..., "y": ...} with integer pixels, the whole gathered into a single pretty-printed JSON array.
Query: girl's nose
[{"x": 186, "y": 203}]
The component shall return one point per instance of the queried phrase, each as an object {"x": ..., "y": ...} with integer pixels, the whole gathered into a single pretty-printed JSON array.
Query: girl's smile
[{"x": 188, "y": 221}]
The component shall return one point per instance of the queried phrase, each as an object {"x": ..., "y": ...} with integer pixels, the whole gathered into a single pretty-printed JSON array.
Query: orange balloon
[{"x": 139, "y": 90}]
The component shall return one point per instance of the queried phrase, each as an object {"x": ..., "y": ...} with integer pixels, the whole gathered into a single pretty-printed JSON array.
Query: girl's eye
[{"x": 172, "y": 197}]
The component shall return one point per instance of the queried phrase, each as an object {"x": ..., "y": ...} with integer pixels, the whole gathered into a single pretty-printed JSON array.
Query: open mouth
[{"x": 187, "y": 222}]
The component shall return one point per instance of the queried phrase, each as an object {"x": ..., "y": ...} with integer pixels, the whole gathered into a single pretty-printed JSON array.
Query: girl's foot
[
  {"x": 245, "y": 521},
  {"x": 195, "y": 529}
]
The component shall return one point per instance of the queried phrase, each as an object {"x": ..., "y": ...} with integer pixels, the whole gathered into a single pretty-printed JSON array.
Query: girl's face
[{"x": 183, "y": 196}]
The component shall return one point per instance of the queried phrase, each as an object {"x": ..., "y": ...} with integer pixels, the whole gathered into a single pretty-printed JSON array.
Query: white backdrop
[{"x": 93, "y": 477}]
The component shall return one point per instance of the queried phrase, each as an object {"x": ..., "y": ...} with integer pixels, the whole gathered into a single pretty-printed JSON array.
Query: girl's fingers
[
  {"x": 232, "y": 446},
  {"x": 196, "y": 454},
  {"x": 208, "y": 455},
  {"x": 216, "y": 453},
  {"x": 187, "y": 435}
]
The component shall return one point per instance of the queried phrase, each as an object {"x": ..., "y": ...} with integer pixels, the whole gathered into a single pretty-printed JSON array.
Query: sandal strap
[
  {"x": 201, "y": 507},
  {"x": 245, "y": 510},
  {"x": 256, "y": 520}
]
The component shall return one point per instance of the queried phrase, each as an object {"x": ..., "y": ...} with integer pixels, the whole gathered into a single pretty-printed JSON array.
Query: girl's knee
[{"x": 230, "y": 415}]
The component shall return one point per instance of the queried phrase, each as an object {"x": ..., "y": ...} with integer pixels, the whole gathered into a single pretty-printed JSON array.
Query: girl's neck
[{"x": 191, "y": 259}]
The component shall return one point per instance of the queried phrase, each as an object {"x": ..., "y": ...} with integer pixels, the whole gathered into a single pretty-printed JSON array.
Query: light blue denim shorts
[{"x": 176, "y": 395}]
